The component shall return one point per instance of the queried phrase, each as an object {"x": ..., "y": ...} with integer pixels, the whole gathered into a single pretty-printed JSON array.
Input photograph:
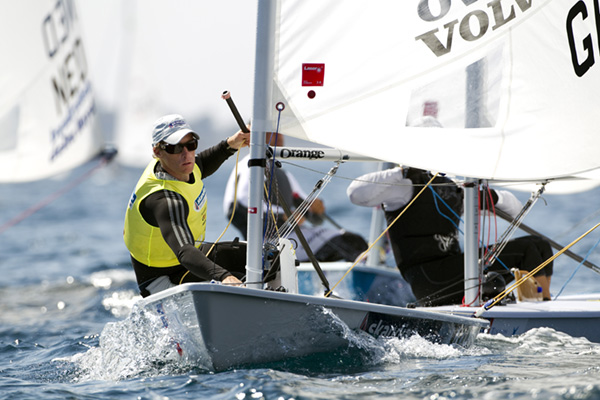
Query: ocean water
[{"x": 69, "y": 328}]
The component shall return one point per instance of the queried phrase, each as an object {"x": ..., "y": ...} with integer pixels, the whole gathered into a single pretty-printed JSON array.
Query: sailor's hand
[
  {"x": 232, "y": 280},
  {"x": 238, "y": 140}
]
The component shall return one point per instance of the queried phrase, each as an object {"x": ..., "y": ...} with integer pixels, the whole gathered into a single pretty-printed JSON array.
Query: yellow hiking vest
[{"x": 144, "y": 241}]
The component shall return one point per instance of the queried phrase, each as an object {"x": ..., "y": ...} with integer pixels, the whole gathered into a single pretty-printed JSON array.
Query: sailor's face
[{"x": 179, "y": 165}]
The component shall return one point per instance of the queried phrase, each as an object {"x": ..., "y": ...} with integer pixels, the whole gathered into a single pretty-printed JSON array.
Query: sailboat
[
  {"x": 47, "y": 111},
  {"x": 270, "y": 321},
  {"x": 512, "y": 82}
]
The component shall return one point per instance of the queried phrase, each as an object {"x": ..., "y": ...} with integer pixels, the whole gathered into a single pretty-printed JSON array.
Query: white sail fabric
[
  {"x": 512, "y": 82},
  {"x": 46, "y": 102}
]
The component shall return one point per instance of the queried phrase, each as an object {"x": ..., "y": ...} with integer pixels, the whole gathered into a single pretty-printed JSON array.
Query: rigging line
[
  {"x": 444, "y": 202},
  {"x": 299, "y": 212},
  {"x": 297, "y": 215},
  {"x": 583, "y": 221},
  {"x": 271, "y": 176},
  {"x": 576, "y": 269},
  {"x": 481, "y": 244},
  {"x": 486, "y": 217},
  {"x": 272, "y": 228},
  {"x": 478, "y": 286},
  {"x": 514, "y": 224},
  {"x": 436, "y": 196},
  {"x": 457, "y": 282},
  {"x": 493, "y": 213},
  {"x": 554, "y": 244},
  {"x": 362, "y": 256},
  {"x": 321, "y": 172},
  {"x": 486, "y": 211},
  {"x": 499, "y": 297},
  {"x": 480, "y": 249},
  {"x": 271, "y": 271},
  {"x": 106, "y": 157},
  {"x": 272, "y": 171},
  {"x": 305, "y": 245}
]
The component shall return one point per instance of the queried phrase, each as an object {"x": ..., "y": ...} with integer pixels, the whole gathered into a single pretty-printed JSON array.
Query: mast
[
  {"x": 378, "y": 224},
  {"x": 471, "y": 240},
  {"x": 471, "y": 283},
  {"x": 261, "y": 123}
]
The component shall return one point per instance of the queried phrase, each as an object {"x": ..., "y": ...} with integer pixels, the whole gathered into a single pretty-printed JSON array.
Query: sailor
[
  {"x": 165, "y": 221},
  {"x": 425, "y": 240},
  {"x": 326, "y": 243}
]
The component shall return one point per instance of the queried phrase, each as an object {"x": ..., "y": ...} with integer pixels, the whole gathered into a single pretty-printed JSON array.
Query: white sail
[
  {"x": 513, "y": 82},
  {"x": 46, "y": 103}
]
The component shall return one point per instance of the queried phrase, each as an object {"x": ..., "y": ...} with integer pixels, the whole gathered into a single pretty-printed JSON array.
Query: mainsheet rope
[
  {"x": 515, "y": 224},
  {"x": 364, "y": 254}
]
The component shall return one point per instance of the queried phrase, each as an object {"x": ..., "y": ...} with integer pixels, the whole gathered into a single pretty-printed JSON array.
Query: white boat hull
[
  {"x": 577, "y": 316},
  {"x": 235, "y": 326}
]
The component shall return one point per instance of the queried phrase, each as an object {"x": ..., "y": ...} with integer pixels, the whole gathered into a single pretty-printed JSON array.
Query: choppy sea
[{"x": 67, "y": 292}]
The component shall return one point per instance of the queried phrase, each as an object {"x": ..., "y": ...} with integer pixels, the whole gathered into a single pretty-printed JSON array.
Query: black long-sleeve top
[{"x": 168, "y": 211}]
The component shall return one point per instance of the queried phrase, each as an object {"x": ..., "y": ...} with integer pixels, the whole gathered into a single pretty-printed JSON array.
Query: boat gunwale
[{"x": 444, "y": 316}]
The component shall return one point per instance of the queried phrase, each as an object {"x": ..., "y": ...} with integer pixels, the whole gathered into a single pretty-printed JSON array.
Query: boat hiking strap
[
  {"x": 105, "y": 157},
  {"x": 490, "y": 303},
  {"x": 364, "y": 254}
]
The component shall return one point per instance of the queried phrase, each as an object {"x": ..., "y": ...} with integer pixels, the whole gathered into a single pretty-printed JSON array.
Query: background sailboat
[
  {"x": 47, "y": 109},
  {"x": 151, "y": 58},
  {"x": 510, "y": 81}
]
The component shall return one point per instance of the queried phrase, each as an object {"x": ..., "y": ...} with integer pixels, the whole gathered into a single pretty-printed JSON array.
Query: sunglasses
[{"x": 178, "y": 148}]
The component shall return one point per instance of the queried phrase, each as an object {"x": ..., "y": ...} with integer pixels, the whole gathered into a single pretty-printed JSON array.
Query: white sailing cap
[{"x": 171, "y": 129}]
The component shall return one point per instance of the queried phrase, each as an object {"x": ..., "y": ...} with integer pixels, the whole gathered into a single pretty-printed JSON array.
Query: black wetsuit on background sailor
[{"x": 425, "y": 239}]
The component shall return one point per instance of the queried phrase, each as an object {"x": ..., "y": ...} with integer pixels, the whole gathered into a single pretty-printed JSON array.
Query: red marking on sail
[{"x": 313, "y": 74}]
